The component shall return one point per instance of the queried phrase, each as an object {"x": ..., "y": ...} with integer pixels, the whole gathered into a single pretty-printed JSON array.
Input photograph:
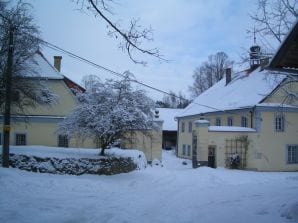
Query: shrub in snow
[
  {"x": 108, "y": 110},
  {"x": 234, "y": 161},
  {"x": 102, "y": 166},
  {"x": 156, "y": 162}
]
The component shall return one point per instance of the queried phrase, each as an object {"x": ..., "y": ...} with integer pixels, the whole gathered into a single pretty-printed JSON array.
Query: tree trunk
[
  {"x": 7, "y": 78},
  {"x": 102, "y": 152}
]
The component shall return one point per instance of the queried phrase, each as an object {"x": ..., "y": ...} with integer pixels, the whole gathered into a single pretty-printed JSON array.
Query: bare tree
[
  {"x": 274, "y": 18},
  {"x": 131, "y": 39},
  {"x": 18, "y": 45},
  {"x": 209, "y": 73},
  {"x": 173, "y": 100},
  {"x": 27, "y": 90}
]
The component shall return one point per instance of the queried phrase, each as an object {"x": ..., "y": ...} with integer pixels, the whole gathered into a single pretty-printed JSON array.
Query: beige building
[
  {"x": 249, "y": 118},
  {"x": 38, "y": 125}
]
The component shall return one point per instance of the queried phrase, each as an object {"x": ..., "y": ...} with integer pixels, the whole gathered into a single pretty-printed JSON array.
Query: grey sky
[{"x": 186, "y": 32}]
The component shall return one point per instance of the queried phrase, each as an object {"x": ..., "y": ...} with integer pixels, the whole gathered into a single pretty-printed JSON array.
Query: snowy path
[{"x": 173, "y": 193}]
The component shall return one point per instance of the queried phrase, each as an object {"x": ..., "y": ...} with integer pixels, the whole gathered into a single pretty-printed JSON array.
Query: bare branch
[
  {"x": 132, "y": 38},
  {"x": 273, "y": 19}
]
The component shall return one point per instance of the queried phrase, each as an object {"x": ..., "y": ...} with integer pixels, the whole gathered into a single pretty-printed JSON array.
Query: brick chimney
[
  {"x": 57, "y": 62},
  {"x": 228, "y": 75}
]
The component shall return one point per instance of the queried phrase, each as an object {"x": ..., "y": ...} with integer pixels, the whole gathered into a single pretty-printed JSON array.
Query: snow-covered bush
[
  {"x": 107, "y": 110},
  {"x": 234, "y": 161},
  {"x": 102, "y": 166}
]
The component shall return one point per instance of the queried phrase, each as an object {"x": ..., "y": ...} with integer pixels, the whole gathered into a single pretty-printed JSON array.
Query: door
[{"x": 211, "y": 156}]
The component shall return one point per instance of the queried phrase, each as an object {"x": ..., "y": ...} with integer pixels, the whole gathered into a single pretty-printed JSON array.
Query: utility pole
[{"x": 7, "y": 82}]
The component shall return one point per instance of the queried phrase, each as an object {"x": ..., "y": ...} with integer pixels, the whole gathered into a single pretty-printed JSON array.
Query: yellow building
[
  {"x": 251, "y": 115},
  {"x": 38, "y": 125}
]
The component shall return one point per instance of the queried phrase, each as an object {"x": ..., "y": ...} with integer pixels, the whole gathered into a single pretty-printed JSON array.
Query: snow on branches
[{"x": 107, "y": 110}]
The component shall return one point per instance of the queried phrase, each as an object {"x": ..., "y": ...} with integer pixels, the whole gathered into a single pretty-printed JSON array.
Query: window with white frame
[
  {"x": 188, "y": 150},
  {"x": 217, "y": 122},
  {"x": 20, "y": 139},
  {"x": 189, "y": 126},
  {"x": 63, "y": 141},
  {"x": 184, "y": 150},
  {"x": 292, "y": 154},
  {"x": 230, "y": 121},
  {"x": 243, "y": 121},
  {"x": 182, "y": 127},
  {"x": 279, "y": 123}
]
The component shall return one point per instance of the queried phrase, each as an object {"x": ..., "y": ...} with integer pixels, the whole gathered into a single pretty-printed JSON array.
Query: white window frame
[
  {"x": 16, "y": 135},
  {"x": 183, "y": 149},
  {"x": 279, "y": 123},
  {"x": 292, "y": 154},
  {"x": 244, "y": 122},
  {"x": 218, "y": 122},
  {"x": 182, "y": 126},
  {"x": 189, "y": 126},
  {"x": 188, "y": 150},
  {"x": 230, "y": 121}
]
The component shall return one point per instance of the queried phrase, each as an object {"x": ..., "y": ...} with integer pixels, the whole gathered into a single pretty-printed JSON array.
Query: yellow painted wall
[
  {"x": 65, "y": 104},
  {"x": 149, "y": 142},
  {"x": 280, "y": 95},
  {"x": 186, "y": 136},
  {"x": 267, "y": 149},
  {"x": 43, "y": 133},
  {"x": 273, "y": 145}
]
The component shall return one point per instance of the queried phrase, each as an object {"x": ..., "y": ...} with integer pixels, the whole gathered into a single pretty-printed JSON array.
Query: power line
[{"x": 75, "y": 56}]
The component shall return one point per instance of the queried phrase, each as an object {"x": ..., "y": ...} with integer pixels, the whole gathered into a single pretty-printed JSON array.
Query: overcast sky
[{"x": 185, "y": 31}]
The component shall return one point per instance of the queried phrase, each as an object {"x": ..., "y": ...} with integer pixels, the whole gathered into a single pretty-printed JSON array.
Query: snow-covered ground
[{"x": 169, "y": 193}]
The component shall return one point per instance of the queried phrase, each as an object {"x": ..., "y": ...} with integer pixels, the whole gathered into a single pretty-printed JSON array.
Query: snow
[
  {"x": 168, "y": 116},
  {"x": 43, "y": 68},
  {"x": 229, "y": 129},
  {"x": 61, "y": 152},
  {"x": 202, "y": 121},
  {"x": 245, "y": 90},
  {"x": 170, "y": 192}
]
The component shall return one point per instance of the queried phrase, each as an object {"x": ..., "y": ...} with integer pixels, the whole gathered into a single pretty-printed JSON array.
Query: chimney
[
  {"x": 57, "y": 62},
  {"x": 228, "y": 75}
]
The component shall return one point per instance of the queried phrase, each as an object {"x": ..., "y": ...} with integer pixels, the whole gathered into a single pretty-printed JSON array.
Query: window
[
  {"x": 62, "y": 141},
  {"x": 244, "y": 121},
  {"x": 188, "y": 150},
  {"x": 183, "y": 127},
  {"x": 279, "y": 123},
  {"x": 20, "y": 139},
  {"x": 189, "y": 126},
  {"x": 184, "y": 150},
  {"x": 230, "y": 121},
  {"x": 217, "y": 122},
  {"x": 292, "y": 153}
]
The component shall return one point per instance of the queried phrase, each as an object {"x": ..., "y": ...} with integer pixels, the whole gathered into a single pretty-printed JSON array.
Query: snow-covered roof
[
  {"x": 229, "y": 129},
  {"x": 42, "y": 68},
  {"x": 246, "y": 89},
  {"x": 168, "y": 116}
]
